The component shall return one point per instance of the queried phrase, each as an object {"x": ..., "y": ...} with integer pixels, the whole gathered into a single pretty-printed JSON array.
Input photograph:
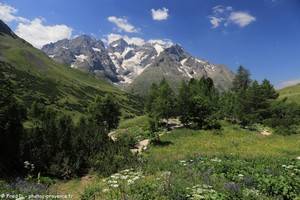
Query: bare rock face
[
  {"x": 136, "y": 67},
  {"x": 84, "y": 53}
]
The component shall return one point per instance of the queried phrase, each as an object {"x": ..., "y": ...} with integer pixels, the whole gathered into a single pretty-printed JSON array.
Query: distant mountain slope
[
  {"x": 84, "y": 53},
  {"x": 136, "y": 67},
  {"x": 37, "y": 77},
  {"x": 292, "y": 93},
  {"x": 175, "y": 65}
]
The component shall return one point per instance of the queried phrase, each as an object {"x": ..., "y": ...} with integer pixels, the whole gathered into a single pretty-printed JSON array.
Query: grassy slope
[
  {"x": 292, "y": 93},
  {"x": 38, "y": 77},
  {"x": 184, "y": 144},
  {"x": 232, "y": 142}
]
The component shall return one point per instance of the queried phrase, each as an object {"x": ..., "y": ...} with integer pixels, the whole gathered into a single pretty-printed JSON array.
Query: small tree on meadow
[{"x": 105, "y": 111}]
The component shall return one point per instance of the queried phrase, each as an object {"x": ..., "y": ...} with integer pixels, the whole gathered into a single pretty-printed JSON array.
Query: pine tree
[
  {"x": 184, "y": 103},
  {"x": 241, "y": 80},
  {"x": 12, "y": 114},
  {"x": 165, "y": 102},
  {"x": 153, "y": 93},
  {"x": 106, "y": 112}
]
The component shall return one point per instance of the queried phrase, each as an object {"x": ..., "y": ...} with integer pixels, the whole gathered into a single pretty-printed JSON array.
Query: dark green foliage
[
  {"x": 198, "y": 103},
  {"x": 285, "y": 117},
  {"x": 153, "y": 93},
  {"x": 161, "y": 103},
  {"x": 12, "y": 115},
  {"x": 58, "y": 147},
  {"x": 249, "y": 102},
  {"x": 106, "y": 112},
  {"x": 242, "y": 79},
  {"x": 255, "y": 102},
  {"x": 184, "y": 103}
]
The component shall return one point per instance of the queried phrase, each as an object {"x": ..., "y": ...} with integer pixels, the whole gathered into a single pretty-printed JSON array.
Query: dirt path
[{"x": 143, "y": 144}]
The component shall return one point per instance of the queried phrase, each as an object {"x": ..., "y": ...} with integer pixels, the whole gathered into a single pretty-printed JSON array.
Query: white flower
[
  {"x": 105, "y": 190},
  {"x": 115, "y": 185},
  {"x": 124, "y": 177},
  {"x": 298, "y": 158},
  {"x": 216, "y": 160}
]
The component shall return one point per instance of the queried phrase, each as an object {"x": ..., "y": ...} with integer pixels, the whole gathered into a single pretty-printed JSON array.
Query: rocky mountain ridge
[{"x": 128, "y": 64}]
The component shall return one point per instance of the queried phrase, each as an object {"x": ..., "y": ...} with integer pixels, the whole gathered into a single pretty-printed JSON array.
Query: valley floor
[{"x": 188, "y": 164}]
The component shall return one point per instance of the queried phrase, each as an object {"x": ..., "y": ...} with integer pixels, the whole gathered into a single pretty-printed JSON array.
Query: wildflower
[
  {"x": 216, "y": 160},
  {"x": 124, "y": 177},
  {"x": 105, "y": 190},
  {"x": 115, "y": 185}
]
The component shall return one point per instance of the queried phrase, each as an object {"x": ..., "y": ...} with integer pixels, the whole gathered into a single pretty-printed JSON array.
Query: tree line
[
  {"x": 198, "y": 104},
  {"x": 49, "y": 142}
]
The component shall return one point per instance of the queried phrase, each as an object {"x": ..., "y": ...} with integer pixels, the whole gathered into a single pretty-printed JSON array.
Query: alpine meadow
[{"x": 112, "y": 100}]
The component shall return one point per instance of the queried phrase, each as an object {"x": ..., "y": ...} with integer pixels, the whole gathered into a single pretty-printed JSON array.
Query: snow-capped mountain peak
[{"x": 125, "y": 62}]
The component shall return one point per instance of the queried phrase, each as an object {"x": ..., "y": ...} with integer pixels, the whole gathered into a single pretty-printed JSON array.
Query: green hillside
[
  {"x": 37, "y": 77},
  {"x": 292, "y": 93}
]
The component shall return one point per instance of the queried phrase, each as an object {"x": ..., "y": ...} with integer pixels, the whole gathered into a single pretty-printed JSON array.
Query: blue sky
[{"x": 262, "y": 35}]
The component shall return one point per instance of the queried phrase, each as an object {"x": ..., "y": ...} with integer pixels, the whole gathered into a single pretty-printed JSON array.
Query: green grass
[
  {"x": 236, "y": 164},
  {"x": 292, "y": 93},
  {"x": 136, "y": 128},
  {"x": 233, "y": 141},
  {"x": 38, "y": 77},
  {"x": 197, "y": 157},
  {"x": 140, "y": 121}
]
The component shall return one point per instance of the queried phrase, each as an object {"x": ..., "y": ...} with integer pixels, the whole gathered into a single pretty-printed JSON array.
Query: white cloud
[
  {"x": 241, "y": 18},
  {"x": 222, "y": 15},
  {"x": 288, "y": 83},
  {"x": 130, "y": 40},
  {"x": 135, "y": 40},
  {"x": 215, "y": 21},
  {"x": 8, "y": 14},
  {"x": 122, "y": 24},
  {"x": 35, "y": 32},
  {"x": 160, "y": 14},
  {"x": 164, "y": 42},
  {"x": 38, "y": 34}
]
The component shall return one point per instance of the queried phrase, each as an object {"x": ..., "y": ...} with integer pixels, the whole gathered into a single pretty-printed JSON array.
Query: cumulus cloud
[
  {"x": 222, "y": 15},
  {"x": 135, "y": 40},
  {"x": 164, "y": 42},
  {"x": 34, "y": 31},
  {"x": 39, "y": 34},
  {"x": 160, "y": 14},
  {"x": 122, "y": 24},
  {"x": 288, "y": 83},
  {"x": 241, "y": 18},
  {"x": 215, "y": 21},
  {"x": 130, "y": 40},
  {"x": 8, "y": 14}
]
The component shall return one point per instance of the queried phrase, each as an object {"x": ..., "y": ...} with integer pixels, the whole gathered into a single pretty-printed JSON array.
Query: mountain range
[
  {"x": 136, "y": 67},
  {"x": 36, "y": 77}
]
